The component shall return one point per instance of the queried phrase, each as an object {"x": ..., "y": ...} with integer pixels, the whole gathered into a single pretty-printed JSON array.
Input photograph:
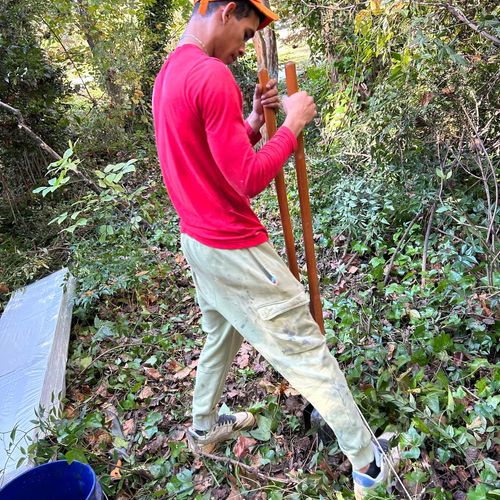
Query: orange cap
[{"x": 270, "y": 16}]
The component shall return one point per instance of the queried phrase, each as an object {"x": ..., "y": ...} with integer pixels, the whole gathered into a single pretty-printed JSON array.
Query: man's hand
[
  {"x": 268, "y": 99},
  {"x": 300, "y": 110}
]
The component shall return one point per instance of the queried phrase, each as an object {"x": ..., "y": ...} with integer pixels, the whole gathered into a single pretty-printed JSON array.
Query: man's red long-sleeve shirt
[{"x": 205, "y": 150}]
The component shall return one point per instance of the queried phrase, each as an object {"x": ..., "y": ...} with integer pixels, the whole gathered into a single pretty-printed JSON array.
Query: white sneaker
[
  {"x": 226, "y": 427},
  {"x": 363, "y": 483}
]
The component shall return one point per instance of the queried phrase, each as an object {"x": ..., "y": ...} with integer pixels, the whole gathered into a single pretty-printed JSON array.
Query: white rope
[{"x": 386, "y": 457}]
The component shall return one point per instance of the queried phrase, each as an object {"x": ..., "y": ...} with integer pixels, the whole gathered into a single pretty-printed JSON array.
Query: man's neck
[{"x": 197, "y": 35}]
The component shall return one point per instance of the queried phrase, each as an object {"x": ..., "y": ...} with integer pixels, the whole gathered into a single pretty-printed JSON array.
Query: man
[{"x": 243, "y": 288}]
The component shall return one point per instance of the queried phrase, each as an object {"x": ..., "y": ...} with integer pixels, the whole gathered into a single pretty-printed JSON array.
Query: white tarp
[{"x": 34, "y": 337}]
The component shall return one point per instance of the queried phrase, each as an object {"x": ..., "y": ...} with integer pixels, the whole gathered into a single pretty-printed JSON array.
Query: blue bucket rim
[{"x": 48, "y": 464}]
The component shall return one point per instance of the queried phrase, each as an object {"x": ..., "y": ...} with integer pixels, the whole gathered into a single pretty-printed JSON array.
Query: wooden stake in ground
[
  {"x": 305, "y": 209},
  {"x": 270, "y": 119}
]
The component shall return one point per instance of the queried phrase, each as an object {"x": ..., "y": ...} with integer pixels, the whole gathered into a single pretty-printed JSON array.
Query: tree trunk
[
  {"x": 267, "y": 56},
  {"x": 267, "y": 52},
  {"x": 93, "y": 36}
]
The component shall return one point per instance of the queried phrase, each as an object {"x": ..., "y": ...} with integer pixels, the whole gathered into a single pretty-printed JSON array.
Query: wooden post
[
  {"x": 270, "y": 119},
  {"x": 305, "y": 209}
]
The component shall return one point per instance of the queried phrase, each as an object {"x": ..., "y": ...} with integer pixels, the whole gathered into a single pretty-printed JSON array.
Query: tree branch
[
  {"x": 456, "y": 12},
  {"x": 41, "y": 143},
  {"x": 253, "y": 470},
  {"x": 35, "y": 137}
]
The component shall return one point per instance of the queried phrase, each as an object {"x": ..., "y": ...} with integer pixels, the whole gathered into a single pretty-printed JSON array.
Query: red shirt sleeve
[
  {"x": 219, "y": 101},
  {"x": 254, "y": 137}
]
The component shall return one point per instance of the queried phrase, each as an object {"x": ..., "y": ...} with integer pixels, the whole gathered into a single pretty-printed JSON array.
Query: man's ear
[{"x": 227, "y": 12}]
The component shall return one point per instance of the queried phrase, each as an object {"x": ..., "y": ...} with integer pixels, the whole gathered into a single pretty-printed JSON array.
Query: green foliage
[
  {"x": 244, "y": 71},
  {"x": 403, "y": 165}
]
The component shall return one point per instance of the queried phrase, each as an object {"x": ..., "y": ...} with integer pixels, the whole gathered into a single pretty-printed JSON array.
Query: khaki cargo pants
[{"x": 250, "y": 293}]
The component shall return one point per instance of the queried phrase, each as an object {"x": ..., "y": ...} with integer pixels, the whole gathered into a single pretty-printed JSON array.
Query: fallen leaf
[
  {"x": 340, "y": 288},
  {"x": 102, "y": 390},
  {"x": 179, "y": 258},
  {"x": 123, "y": 496},
  {"x": 176, "y": 434},
  {"x": 98, "y": 438},
  {"x": 462, "y": 474},
  {"x": 128, "y": 426},
  {"x": 115, "y": 473},
  {"x": 232, "y": 394},
  {"x": 477, "y": 423},
  {"x": 70, "y": 412},
  {"x": 220, "y": 493},
  {"x": 268, "y": 386},
  {"x": 390, "y": 349},
  {"x": 152, "y": 373},
  {"x": 202, "y": 481},
  {"x": 243, "y": 361},
  {"x": 375, "y": 7},
  {"x": 4, "y": 288},
  {"x": 235, "y": 491},
  {"x": 154, "y": 445},
  {"x": 197, "y": 464},
  {"x": 325, "y": 467},
  {"x": 352, "y": 269},
  {"x": 242, "y": 444},
  {"x": 487, "y": 311},
  {"x": 146, "y": 392},
  {"x": 173, "y": 366},
  {"x": 182, "y": 374},
  {"x": 256, "y": 460},
  {"x": 259, "y": 366},
  {"x": 426, "y": 98},
  {"x": 79, "y": 396}
]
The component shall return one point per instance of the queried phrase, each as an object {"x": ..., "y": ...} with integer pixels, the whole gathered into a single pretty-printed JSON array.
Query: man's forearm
[{"x": 255, "y": 121}]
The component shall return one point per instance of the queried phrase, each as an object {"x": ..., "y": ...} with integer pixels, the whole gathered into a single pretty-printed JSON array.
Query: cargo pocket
[{"x": 271, "y": 310}]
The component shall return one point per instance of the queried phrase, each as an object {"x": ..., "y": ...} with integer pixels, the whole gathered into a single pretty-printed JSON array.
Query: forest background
[{"x": 403, "y": 173}]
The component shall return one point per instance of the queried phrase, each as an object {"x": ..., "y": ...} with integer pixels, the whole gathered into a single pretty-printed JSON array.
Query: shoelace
[{"x": 225, "y": 420}]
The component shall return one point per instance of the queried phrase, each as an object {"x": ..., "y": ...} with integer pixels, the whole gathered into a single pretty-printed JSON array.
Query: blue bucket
[{"x": 54, "y": 481}]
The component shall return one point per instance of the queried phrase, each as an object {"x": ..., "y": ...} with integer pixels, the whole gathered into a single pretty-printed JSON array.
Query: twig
[
  {"x": 94, "y": 102},
  {"x": 401, "y": 243},
  {"x": 248, "y": 468},
  {"x": 456, "y": 12},
  {"x": 426, "y": 243}
]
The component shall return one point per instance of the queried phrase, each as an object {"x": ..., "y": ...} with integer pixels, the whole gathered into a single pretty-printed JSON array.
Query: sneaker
[
  {"x": 226, "y": 427},
  {"x": 363, "y": 482}
]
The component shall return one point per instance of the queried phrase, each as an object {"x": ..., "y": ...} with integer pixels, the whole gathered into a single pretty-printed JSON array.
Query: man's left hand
[{"x": 268, "y": 99}]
